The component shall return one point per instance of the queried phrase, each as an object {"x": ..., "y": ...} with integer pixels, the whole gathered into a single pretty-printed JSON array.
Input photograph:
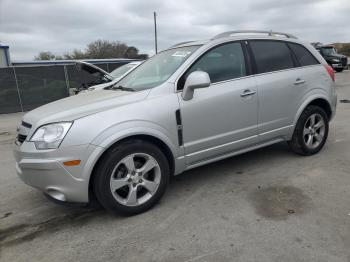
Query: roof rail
[
  {"x": 181, "y": 43},
  {"x": 269, "y": 33}
]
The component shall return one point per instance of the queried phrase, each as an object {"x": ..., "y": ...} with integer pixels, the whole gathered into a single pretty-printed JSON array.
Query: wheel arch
[
  {"x": 324, "y": 104},
  {"x": 320, "y": 101}
]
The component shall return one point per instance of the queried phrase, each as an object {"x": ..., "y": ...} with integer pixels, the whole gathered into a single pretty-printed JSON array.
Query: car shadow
[{"x": 70, "y": 216}]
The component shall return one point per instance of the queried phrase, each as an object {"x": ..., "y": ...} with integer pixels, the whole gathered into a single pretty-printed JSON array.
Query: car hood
[
  {"x": 74, "y": 107},
  {"x": 92, "y": 69},
  {"x": 101, "y": 86}
]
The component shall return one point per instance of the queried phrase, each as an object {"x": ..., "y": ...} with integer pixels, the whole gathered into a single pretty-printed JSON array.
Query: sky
[{"x": 59, "y": 26}]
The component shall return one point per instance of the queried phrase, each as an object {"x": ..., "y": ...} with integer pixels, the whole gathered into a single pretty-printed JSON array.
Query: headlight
[
  {"x": 335, "y": 60},
  {"x": 50, "y": 136}
]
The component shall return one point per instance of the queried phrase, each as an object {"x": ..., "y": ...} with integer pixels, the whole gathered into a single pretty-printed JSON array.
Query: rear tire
[
  {"x": 131, "y": 177},
  {"x": 339, "y": 70},
  {"x": 311, "y": 131}
]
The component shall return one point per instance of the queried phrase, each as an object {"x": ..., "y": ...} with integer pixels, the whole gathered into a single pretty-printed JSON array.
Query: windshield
[
  {"x": 156, "y": 70},
  {"x": 122, "y": 70},
  {"x": 329, "y": 51}
]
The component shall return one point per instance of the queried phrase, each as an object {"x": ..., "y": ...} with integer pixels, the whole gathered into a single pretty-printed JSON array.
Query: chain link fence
[{"x": 27, "y": 87}]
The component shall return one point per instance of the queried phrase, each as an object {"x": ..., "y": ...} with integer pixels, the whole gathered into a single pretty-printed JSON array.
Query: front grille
[
  {"x": 344, "y": 61},
  {"x": 21, "y": 138}
]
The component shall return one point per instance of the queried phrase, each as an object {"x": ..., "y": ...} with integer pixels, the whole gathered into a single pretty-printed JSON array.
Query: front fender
[
  {"x": 127, "y": 129},
  {"x": 131, "y": 128}
]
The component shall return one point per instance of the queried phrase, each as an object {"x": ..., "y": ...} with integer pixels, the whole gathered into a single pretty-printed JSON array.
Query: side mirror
[{"x": 197, "y": 79}]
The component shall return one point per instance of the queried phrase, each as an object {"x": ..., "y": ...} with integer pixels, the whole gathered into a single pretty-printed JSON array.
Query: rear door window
[
  {"x": 304, "y": 57},
  {"x": 271, "y": 55}
]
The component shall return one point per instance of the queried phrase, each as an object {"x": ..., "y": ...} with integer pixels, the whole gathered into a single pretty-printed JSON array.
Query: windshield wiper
[{"x": 123, "y": 88}]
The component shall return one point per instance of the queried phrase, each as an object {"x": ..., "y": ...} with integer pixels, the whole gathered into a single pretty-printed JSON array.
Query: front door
[{"x": 223, "y": 117}]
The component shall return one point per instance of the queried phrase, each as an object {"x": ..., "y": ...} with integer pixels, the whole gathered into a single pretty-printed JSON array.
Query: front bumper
[
  {"x": 44, "y": 170},
  {"x": 338, "y": 65}
]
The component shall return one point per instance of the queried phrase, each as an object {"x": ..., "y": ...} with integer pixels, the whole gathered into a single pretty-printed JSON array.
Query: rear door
[{"x": 280, "y": 87}]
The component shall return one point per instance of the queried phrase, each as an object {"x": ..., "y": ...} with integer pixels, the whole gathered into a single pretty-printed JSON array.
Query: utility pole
[{"x": 155, "y": 31}]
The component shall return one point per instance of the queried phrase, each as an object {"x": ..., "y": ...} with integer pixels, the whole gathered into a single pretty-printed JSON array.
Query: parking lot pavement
[{"x": 266, "y": 205}]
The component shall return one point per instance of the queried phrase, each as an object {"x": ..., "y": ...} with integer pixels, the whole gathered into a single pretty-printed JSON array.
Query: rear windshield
[{"x": 329, "y": 50}]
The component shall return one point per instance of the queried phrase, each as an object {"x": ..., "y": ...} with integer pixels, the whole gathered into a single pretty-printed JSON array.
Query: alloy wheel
[
  {"x": 135, "y": 179},
  {"x": 314, "y": 131}
]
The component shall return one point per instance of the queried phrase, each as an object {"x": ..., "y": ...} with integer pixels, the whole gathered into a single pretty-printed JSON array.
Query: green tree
[
  {"x": 132, "y": 52},
  {"x": 343, "y": 48},
  {"x": 76, "y": 54},
  {"x": 46, "y": 55},
  {"x": 106, "y": 49},
  {"x": 98, "y": 49}
]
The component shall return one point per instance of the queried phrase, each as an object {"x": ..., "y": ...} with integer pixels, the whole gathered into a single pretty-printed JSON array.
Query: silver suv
[{"x": 190, "y": 105}]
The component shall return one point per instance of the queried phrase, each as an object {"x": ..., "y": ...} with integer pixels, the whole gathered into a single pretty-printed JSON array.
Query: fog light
[{"x": 55, "y": 194}]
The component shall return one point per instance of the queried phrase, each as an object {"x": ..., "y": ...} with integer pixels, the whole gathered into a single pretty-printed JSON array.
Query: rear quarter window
[
  {"x": 304, "y": 56},
  {"x": 271, "y": 55}
]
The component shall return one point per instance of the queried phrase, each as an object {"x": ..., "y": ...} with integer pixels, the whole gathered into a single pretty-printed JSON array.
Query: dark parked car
[{"x": 337, "y": 61}]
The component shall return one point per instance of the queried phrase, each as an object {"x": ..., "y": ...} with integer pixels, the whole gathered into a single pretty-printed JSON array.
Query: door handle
[
  {"x": 247, "y": 92},
  {"x": 299, "y": 81}
]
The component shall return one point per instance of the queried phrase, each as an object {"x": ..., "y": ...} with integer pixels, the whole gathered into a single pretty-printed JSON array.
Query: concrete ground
[{"x": 267, "y": 205}]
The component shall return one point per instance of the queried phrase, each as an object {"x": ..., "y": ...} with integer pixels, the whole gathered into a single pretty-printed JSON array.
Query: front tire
[
  {"x": 311, "y": 131},
  {"x": 339, "y": 70},
  {"x": 131, "y": 178}
]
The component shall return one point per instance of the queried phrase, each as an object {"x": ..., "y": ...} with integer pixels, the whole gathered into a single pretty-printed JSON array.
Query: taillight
[{"x": 330, "y": 71}]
